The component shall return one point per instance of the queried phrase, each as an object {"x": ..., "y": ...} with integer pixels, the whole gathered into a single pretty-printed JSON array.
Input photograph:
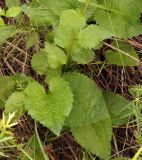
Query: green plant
[
  {"x": 73, "y": 100},
  {"x": 6, "y": 135}
]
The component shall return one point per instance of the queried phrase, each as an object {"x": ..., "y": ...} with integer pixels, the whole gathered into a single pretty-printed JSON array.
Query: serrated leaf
[
  {"x": 49, "y": 109},
  {"x": 15, "y": 103},
  {"x": 55, "y": 56},
  {"x": 83, "y": 56},
  {"x": 66, "y": 33},
  {"x": 121, "y": 59},
  {"x": 5, "y": 90},
  {"x": 13, "y": 11},
  {"x": 95, "y": 137},
  {"x": 119, "y": 108},
  {"x": 21, "y": 81},
  {"x": 120, "y": 12},
  {"x": 92, "y": 35},
  {"x": 46, "y": 12},
  {"x": 39, "y": 62},
  {"x": 89, "y": 105}
]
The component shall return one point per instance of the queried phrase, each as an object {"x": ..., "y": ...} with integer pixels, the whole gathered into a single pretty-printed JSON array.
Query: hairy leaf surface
[
  {"x": 95, "y": 137},
  {"x": 49, "y": 109},
  {"x": 89, "y": 105}
]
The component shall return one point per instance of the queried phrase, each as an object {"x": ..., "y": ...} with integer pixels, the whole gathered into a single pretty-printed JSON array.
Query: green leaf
[
  {"x": 128, "y": 58},
  {"x": 21, "y": 81},
  {"x": 51, "y": 73},
  {"x": 7, "y": 32},
  {"x": 5, "y": 90},
  {"x": 119, "y": 108},
  {"x": 55, "y": 56},
  {"x": 39, "y": 14},
  {"x": 83, "y": 56},
  {"x": 15, "y": 103},
  {"x": 39, "y": 62},
  {"x": 13, "y": 11},
  {"x": 33, "y": 149},
  {"x": 120, "y": 12},
  {"x": 2, "y": 22},
  {"x": 32, "y": 39},
  {"x": 46, "y": 12},
  {"x": 136, "y": 91},
  {"x": 95, "y": 137},
  {"x": 59, "y": 6},
  {"x": 49, "y": 109},
  {"x": 12, "y": 3},
  {"x": 89, "y": 105},
  {"x": 2, "y": 12},
  {"x": 71, "y": 22},
  {"x": 92, "y": 35}
]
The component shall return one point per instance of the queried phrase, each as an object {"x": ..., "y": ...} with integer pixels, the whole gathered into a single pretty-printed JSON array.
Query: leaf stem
[
  {"x": 86, "y": 6},
  {"x": 137, "y": 154}
]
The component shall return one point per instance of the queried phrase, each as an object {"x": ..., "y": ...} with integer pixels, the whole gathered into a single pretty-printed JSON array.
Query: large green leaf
[
  {"x": 120, "y": 17},
  {"x": 15, "y": 103},
  {"x": 92, "y": 35},
  {"x": 89, "y": 105},
  {"x": 129, "y": 57},
  {"x": 95, "y": 137},
  {"x": 71, "y": 22},
  {"x": 50, "y": 109},
  {"x": 7, "y": 85},
  {"x": 46, "y": 12},
  {"x": 55, "y": 56},
  {"x": 119, "y": 108}
]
